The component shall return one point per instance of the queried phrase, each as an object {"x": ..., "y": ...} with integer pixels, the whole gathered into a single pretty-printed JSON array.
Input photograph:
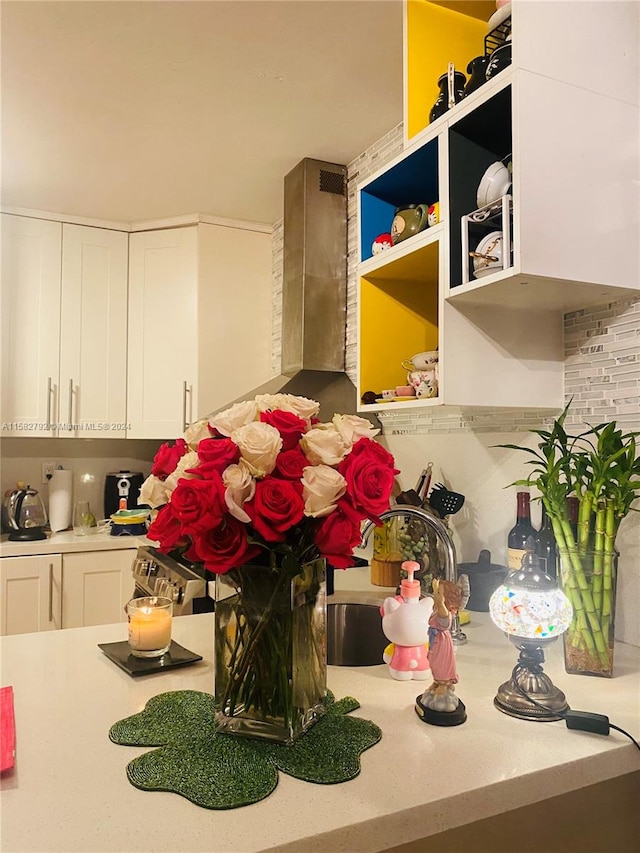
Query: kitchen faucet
[{"x": 442, "y": 533}]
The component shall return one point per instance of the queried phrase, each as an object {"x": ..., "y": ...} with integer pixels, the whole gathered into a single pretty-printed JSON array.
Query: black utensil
[{"x": 445, "y": 502}]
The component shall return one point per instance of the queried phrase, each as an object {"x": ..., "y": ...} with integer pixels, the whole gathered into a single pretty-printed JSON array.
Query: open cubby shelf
[{"x": 412, "y": 180}]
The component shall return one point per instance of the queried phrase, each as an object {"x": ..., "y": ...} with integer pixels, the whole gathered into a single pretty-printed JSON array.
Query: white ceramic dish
[
  {"x": 490, "y": 245},
  {"x": 487, "y": 271},
  {"x": 494, "y": 184},
  {"x": 498, "y": 17},
  {"x": 395, "y": 399}
]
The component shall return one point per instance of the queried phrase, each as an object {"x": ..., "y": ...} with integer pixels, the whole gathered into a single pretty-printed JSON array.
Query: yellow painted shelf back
[
  {"x": 397, "y": 320},
  {"x": 435, "y": 36}
]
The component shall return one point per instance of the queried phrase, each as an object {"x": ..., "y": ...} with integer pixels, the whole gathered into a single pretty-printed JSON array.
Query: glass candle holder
[{"x": 149, "y": 626}]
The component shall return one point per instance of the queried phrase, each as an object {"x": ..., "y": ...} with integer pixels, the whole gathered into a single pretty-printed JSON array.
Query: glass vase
[
  {"x": 589, "y": 580},
  {"x": 270, "y": 651}
]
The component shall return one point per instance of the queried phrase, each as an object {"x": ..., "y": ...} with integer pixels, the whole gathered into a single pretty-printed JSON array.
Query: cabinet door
[
  {"x": 234, "y": 314},
  {"x": 31, "y": 251},
  {"x": 93, "y": 343},
  {"x": 162, "y": 332},
  {"x": 30, "y": 594},
  {"x": 97, "y": 585}
]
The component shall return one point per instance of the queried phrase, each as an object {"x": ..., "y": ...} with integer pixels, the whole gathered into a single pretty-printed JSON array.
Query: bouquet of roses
[
  {"x": 260, "y": 494},
  {"x": 266, "y": 478}
]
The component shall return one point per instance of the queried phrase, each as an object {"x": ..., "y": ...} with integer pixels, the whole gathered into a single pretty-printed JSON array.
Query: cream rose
[
  {"x": 321, "y": 488},
  {"x": 259, "y": 445},
  {"x": 194, "y": 433},
  {"x": 241, "y": 487},
  {"x": 153, "y": 492},
  {"x": 265, "y": 402},
  {"x": 189, "y": 460},
  {"x": 234, "y": 417},
  {"x": 352, "y": 428},
  {"x": 300, "y": 406},
  {"x": 323, "y": 445}
]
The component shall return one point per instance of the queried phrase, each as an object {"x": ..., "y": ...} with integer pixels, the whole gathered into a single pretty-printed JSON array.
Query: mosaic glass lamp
[{"x": 533, "y": 613}]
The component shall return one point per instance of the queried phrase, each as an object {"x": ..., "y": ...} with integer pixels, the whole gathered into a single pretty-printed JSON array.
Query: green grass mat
[{"x": 220, "y": 771}]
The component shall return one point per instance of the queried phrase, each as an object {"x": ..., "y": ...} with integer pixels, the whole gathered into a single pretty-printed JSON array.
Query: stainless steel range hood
[{"x": 314, "y": 290}]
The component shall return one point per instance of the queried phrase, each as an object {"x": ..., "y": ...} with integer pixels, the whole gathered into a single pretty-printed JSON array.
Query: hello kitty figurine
[{"x": 405, "y": 621}]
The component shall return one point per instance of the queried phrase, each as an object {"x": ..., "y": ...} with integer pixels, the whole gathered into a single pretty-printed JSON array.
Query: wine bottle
[
  {"x": 520, "y": 532},
  {"x": 546, "y": 545}
]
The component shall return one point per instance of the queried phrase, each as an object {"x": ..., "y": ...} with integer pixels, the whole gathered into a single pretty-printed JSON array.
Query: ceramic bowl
[{"x": 494, "y": 184}]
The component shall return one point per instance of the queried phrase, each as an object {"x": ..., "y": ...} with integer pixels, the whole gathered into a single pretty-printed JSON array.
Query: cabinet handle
[
  {"x": 186, "y": 389},
  {"x": 49, "y": 389},
  {"x": 70, "y": 402},
  {"x": 50, "y": 592}
]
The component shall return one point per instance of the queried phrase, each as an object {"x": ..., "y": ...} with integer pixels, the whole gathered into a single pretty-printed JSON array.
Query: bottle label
[{"x": 514, "y": 558}]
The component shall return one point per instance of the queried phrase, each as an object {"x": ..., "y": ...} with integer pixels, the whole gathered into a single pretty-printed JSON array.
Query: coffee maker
[{"x": 121, "y": 485}]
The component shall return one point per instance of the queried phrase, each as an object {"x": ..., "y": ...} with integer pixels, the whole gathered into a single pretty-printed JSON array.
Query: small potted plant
[{"x": 601, "y": 468}]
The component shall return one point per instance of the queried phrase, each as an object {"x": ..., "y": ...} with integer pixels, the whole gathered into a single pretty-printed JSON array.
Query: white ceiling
[{"x": 138, "y": 110}]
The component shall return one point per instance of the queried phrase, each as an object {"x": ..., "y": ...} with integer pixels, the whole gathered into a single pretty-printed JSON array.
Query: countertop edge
[{"x": 67, "y": 542}]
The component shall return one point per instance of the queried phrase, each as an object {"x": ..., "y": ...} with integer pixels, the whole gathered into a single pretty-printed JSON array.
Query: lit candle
[{"x": 149, "y": 626}]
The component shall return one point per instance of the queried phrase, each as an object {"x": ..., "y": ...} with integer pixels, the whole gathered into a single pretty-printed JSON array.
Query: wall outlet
[{"x": 47, "y": 471}]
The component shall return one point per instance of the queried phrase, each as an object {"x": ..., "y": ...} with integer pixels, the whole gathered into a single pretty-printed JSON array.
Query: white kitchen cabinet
[
  {"x": 96, "y": 586},
  {"x": 31, "y": 257},
  {"x": 572, "y": 140},
  {"x": 30, "y": 594},
  {"x": 93, "y": 340},
  {"x": 199, "y": 323},
  {"x": 64, "y": 329}
]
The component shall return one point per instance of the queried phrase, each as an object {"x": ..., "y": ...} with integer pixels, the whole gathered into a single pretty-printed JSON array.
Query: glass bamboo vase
[
  {"x": 270, "y": 651},
  {"x": 589, "y": 580}
]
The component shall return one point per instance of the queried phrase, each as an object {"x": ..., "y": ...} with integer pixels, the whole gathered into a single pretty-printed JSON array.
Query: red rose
[
  {"x": 276, "y": 506},
  {"x": 369, "y": 473},
  {"x": 225, "y": 547},
  {"x": 336, "y": 536},
  {"x": 290, "y": 464},
  {"x": 166, "y": 459},
  {"x": 290, "y": 426},
  {"x": 166, "y": 530},
  {"x": 199, "y": 505},
  {"x": 217, "y": 453}
]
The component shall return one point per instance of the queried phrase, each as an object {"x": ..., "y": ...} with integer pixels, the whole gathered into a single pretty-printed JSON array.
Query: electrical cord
[{"x": 585, "y": 721}]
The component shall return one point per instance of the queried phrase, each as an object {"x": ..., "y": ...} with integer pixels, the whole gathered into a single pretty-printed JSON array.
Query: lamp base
[{"x": 530, "y": 694}]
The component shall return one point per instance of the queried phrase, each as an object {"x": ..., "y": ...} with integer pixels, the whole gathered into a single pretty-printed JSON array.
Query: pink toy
[{"x": 405, "y": 621}]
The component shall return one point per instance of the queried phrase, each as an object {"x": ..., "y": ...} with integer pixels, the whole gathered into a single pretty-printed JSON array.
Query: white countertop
[
  {"x": 66, "y": 541},
  {"x": 69, "y": 790}
]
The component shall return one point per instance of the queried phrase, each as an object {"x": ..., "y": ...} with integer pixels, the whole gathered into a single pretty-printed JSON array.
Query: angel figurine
[{"x": 439, "y": 704}]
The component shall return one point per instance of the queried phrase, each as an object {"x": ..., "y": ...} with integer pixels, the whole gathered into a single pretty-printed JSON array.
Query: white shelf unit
[{"x": 574, "y": 151}]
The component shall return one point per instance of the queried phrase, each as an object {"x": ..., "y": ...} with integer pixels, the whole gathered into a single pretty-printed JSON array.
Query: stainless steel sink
[{"x": 354, "y": 634}]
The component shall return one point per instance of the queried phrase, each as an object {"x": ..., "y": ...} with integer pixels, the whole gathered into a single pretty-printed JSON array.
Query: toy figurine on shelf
[
  {"x": 439, "y": 704},
  {"x": 405, "y": 621},
  {"x": 382, "y": 242}
]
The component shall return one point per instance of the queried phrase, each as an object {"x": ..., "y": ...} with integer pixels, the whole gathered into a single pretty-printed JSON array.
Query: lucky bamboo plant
[{"x": 601, "y": 467}]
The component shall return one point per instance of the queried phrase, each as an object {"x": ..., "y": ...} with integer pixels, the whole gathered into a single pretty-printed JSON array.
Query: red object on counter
[{"x": 7, "y": 729}]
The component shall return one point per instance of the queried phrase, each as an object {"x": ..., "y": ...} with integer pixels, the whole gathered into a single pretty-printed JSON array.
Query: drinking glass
[{"x": 84, "y": 521}]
